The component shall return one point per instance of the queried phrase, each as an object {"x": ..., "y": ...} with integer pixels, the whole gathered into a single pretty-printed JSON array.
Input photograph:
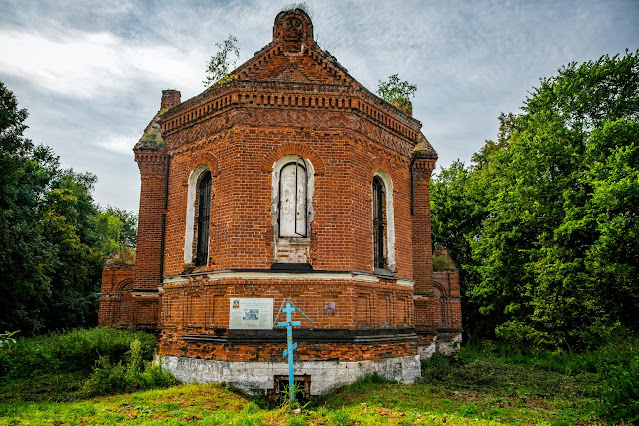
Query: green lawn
[
  {"x": 474, "y": 389},
  {"x": 373, "y": 404}
]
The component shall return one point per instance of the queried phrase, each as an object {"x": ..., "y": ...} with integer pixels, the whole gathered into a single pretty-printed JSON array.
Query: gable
[{"x": 293, "y": 56}]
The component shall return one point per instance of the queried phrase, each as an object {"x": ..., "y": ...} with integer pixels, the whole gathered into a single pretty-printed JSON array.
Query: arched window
[
  {"x": 383, "y": 223},
  {"x": 292, "y": 211},
  {"x": 292, "y": 203},
  {"x": 379, "y": 224},
  {"x": 203, "y": 219},
  {"x": 198, "y": 216}
]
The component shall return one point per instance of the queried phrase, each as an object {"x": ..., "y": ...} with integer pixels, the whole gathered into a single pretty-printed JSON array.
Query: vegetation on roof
[
  {"x": 218, "y": 69},
  {"x": 397, "y": 92}
]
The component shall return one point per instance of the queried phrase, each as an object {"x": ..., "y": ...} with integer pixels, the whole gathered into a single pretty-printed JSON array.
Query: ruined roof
[
  {"x": 293, "y": 59},
  {"x": 152, "y": 137}
]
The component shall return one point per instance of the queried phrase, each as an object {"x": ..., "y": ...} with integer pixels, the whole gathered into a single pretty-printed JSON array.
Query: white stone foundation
[
  {"x": 258, "y": 377},
  {"x": 428, "y": 350},
  {"x": 450, "y": 346}
]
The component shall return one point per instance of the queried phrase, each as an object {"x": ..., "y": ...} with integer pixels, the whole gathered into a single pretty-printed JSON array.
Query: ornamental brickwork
[{"x": 291, "y": 142}]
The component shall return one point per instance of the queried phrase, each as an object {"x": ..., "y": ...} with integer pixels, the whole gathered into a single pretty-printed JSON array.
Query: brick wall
[
  {"x": 291, "y": 98},
  {"x": 121, "y": 306},
  {"x": 241, "y": 231}
]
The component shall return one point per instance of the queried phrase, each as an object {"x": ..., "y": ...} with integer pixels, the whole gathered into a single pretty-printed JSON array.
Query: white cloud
[
  {"x": 89, "y": 65},
  {"x": 121, "y": 144},
  {"x": 91, "y": 73}
]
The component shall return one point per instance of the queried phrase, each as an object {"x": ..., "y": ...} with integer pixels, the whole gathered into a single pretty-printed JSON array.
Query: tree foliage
[
  {"x": 397, "y": 92},
  {"x": 53, "y": 238},
  {"x": 545, "y": 225},
  {"x": 220, "y": 65}
]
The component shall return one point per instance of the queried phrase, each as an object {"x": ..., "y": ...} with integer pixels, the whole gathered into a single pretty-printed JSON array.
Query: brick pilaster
[
  {"x": 422, "y": 241},
  {"x": 152, "y": 164}
]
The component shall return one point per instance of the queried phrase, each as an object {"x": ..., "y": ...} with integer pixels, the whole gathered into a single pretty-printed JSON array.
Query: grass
[
  {"x": 45, "y": 380},
  {"x": 474, "y": 388},
  {"x": 213, "y": 404}
]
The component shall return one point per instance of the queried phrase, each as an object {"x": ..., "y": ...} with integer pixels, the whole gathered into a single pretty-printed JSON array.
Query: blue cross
[{"x": 290, "y": 346}]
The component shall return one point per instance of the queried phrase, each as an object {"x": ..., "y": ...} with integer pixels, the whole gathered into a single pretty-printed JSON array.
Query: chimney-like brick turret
[{"x": 170, "y": 98}]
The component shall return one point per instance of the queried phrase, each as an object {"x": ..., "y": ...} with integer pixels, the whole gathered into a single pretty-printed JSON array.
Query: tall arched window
[
  {"x": 203, "y": 219},
  {"x": 379, "y": 224},
  {"x": 292, "y": 203},
  {"x": 198, "y": 216},
  {"x": 383, "y": 223},
  {"x": 292, "y": 211}
]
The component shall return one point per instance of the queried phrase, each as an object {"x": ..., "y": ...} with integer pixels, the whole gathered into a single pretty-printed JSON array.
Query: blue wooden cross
[{"x": 290, "y": 346}]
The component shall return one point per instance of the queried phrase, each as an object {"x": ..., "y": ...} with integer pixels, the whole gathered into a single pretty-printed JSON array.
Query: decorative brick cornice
[
  {"x": 150, "y": 157},
  {"x": 291, "y": 148},
  {"x": 423, "y": 168},
  {"x": 313, "y": 336},
  {"x": 284, "y": 103}
]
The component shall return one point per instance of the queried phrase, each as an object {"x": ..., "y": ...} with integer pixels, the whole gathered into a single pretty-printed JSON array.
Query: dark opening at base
[{"x": 279, "y": 394}]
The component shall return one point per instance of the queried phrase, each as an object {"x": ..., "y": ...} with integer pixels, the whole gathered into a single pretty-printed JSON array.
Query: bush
[
  {"x": 436, "y": 368},
  {"x": 74, "y": 351},
  {"x": 620, "y": 401},
  {"x": 136, "y": 374},
  {"x": 618, "y": 367},
  {"x": 106, "y": 379}
]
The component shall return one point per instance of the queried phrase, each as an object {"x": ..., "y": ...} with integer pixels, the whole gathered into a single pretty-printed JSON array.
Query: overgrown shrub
[
  {"x": 135, "y": 374},
  {"x": 74, "y": 351},
  {"x": 618, "y": 367},
  {"x": 620, "y": 399},
  {"x": 436, "y": 368}
]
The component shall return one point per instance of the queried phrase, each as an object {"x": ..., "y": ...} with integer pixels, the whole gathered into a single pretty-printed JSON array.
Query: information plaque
[{"x": 251, "y": 313}]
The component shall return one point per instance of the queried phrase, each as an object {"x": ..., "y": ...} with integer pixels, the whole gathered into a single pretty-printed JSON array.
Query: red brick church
[{"x": 290, "y": 181}]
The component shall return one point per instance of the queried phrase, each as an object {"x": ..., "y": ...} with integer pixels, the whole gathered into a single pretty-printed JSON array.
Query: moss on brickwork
[
  {"x": 424, "y": 149},
  {"x": 152, "y": 137},
  {"x": 441, "y": 259},
  {"x": 123, "y": 257},
  {"x": 443, "y": 263}
]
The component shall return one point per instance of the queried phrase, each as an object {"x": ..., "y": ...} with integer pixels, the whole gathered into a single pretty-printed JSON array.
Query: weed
[
  {"x": 137, "y": 374},
  {"x": 289, "y": 396},
  {"x": 340, "y": 418},
  {"x": 296, "y": 420},
  {"x": 620, "y": 401},
  {"x": 436, "y": 367},
  {"x": 468, "y": 410}
]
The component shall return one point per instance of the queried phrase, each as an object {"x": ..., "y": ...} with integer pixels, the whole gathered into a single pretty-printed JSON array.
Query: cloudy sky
[{"x": 91, "y": 73}]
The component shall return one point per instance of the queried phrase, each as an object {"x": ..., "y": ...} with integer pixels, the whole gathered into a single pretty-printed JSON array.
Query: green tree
[
  {"x": 220, "y": 65},
  {"x": 458, "y": 207},
  {"x": 397, "y": 92},
  {"x": 118, "y": 229},
  {"x": 25, "y": 255},
  {"x": 52, "y": 247},
  {"x": 553, "y": 253}
]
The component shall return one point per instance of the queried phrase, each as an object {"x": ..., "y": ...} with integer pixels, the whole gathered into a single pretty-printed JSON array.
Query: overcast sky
[{"x": 91, "y": 73}]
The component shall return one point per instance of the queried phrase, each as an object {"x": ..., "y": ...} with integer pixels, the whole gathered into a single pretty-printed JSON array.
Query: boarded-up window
[{"x": 292, "y": 200}]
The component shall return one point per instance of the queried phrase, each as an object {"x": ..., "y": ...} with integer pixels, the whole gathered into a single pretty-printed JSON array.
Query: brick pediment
[
  {"x": 294, "y": 56},
  {"x": 292, "y": 73}
]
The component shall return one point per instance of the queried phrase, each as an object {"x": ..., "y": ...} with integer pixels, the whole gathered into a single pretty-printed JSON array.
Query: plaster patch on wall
[
  {"x": 257, "y": 377},
  {"x": 450, "y": 347},
  {"x": 427, "y": 351}
]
